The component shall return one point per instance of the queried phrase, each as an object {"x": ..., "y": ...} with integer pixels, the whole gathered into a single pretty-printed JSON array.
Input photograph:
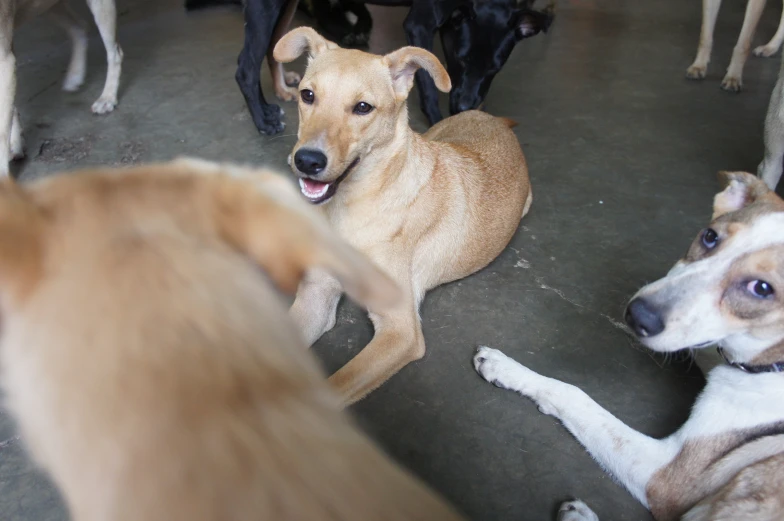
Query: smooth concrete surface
[{"x": 623, "y": 153}]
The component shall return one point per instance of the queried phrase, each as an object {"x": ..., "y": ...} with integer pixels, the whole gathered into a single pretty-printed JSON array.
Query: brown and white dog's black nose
[
  {"x": 310, "y": 161},
  {"x": 644, "y": 319}
]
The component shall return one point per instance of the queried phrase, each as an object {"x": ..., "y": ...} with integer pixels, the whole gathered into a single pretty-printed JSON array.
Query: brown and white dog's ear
[
  {"x": 404, "y": 63},
  {"x": 299, "y": 40},
  {"x": 261, "y": 215},
  {"x": 741, "y": 189}
]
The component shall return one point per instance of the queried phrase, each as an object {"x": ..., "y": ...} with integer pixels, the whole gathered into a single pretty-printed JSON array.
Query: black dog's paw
[
  {"x": 362, "y": 39},
  {"x": 272, "y": 123}
]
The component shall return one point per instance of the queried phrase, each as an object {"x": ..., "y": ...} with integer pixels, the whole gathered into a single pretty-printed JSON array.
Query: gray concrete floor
[{"x": 623, "y": 152}]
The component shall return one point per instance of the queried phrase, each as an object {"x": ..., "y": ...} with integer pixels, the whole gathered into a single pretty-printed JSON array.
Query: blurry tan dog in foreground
[
  {"x": 152, "y": 368},
  {"x": 428, "y": 209}
]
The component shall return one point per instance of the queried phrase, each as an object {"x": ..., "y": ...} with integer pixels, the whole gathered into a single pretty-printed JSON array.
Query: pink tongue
[{"x": 313, "y": 186}]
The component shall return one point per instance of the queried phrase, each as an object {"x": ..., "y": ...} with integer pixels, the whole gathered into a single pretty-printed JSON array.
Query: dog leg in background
[
  {"x": 315, "y": 307},
  {"x": 630, "y": 456},
  {"x": 7, "y": 91},
  {"x": 733, "y": 80},
  {"x": 17, "y": 141},
  {"x": 710, "y": 11},
  {"x": 105, "y": 14},
  {"x": 420, "y": 26},
  {"x": 770, "y": 168},
  {"x": 772, "y": 47},
  {"x": 260, "y": 15},
  {"x": 64, "y": 16},
  {"x": 283, "y": 80}
]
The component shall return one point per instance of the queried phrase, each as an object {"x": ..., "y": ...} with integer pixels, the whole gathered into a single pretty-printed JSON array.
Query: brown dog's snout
[
  {"x": 310, "y": 161},
  {"x": 644, "y": 318}
]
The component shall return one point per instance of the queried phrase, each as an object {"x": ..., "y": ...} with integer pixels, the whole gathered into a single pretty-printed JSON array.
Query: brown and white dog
[
  {"x": 727, "y": 461},
  {"x": 427, "y": 209},
  {"x": 14, "y": 13},
  {"x": 153, "y": 368},
  {"x": 733, "y": 80}
]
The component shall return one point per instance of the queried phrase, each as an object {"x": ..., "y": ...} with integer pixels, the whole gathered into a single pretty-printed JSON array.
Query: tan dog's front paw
[
  {"x": 104, "y": 105},
  {"x": 766, "y": 51},
  {"x": 286, "y": 93},
  {"x": 732, "y": 83},
  {"x": 292, "y": 78},
  {"x": 696, "y": 72}
]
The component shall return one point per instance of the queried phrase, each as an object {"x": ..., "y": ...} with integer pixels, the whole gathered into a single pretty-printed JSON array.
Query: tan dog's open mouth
[{"x": 318, "y": 192}]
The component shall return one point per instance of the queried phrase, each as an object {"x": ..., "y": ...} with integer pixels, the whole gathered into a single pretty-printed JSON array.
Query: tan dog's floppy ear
[
  {"x": 261, "y": 215},
  {"x": 21, "y": 248},
  {"x": 404, "y": 63},
  {"x": 299, "y": 40},
  {"x": 741, "y": 189}
]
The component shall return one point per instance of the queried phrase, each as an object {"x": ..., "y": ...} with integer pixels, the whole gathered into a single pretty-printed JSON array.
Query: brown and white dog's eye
[
  {"x": 760, "y": 288},
  {"x": 363, "y": 108},
  {"x": 710, "y": 238},
  {"x": 307, "y": 96}
]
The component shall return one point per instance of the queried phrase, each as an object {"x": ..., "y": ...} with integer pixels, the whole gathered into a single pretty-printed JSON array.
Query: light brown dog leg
[
  {"x": 315, "y": 307},
  {"x": 710, "y": 10},
  {"x": 105, "y": 14},
  {"x": 772, "y": 47},
  {"x": 7, "y": 90},
  {"x": 281, "y": 79},
  {"x": 74, "y": 26},
  {"x": 397, "y": 342},
  {"x": 733, "y": 81}
]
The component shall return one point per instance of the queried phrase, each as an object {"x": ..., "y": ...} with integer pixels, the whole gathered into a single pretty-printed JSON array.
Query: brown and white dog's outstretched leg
[
  {"x": 733, "y": 80},
  {"x": 630, "y": 456},
  {"x": 105, "y": 13},
  {"x": 710, "y": 10},
  {"x": 7, "y": 91}
]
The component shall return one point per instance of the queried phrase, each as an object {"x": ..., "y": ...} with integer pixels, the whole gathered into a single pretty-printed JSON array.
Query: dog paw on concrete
[{"x": 576, "y": 511}]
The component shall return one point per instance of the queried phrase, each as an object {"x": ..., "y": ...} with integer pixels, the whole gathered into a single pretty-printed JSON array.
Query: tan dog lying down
[
  {"x": 428, "y": 209},
  {"x": 151, "y": 367}
]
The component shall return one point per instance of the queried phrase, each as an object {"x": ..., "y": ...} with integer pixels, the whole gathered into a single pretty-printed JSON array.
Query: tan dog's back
[{"x": 151, "y": 366}]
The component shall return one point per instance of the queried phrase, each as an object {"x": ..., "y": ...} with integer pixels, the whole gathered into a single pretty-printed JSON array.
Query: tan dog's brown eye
[
  {"x": 363, "y": 108},
  {"x": 710, "y": 238},
  {"x": 760, "y": 288},
  {"x": 307, "y": 96}
]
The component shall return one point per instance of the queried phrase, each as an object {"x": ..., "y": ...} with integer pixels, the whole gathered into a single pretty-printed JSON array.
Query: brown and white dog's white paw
[
  {"x": 732, "y": 83},
  {"x": 766, "y": 51},
  {"x": 104, "y": 104},
  {"x": 576, "y": 511},
  {"x": 496, "y": 368},
  {"x": 696, "y": 71}
]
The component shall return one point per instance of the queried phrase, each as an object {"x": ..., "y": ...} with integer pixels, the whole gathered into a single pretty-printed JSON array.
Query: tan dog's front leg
[
  {"x": 710, "y": 10},
  {"x": 314, "y": 309},
  {"x": 281, "y": 79},
  {"x": 397, "y": 342},
  {"x": 105, "y": 13},
  {"x": 733, "y": 81}
]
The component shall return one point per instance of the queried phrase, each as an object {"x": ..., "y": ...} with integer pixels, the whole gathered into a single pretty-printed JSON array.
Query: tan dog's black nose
[
  {"x": 310, "y": 161},
  {"x": 644, "y": 319}
]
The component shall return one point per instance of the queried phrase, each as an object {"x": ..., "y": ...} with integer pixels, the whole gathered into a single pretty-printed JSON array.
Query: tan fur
[
  {"x": 428, "y": 209},
  {"x": 14, "y": 13},
  {"x": 153, "y": 370}
]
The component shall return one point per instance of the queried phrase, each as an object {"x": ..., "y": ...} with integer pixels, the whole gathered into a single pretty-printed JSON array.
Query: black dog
[{"x": 477, "y": 35}]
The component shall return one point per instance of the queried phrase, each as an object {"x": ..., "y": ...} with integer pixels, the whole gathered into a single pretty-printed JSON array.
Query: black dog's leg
[
  {"x": 260, "y": 19},
  {"x": 420, "y": 26},
  {"x": 364, "y": 22}
]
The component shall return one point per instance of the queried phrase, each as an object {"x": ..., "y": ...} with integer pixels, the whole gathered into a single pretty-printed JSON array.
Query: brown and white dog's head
[
  {"x": 729, "y": 289},
  {"x": 352, "y": 103}
]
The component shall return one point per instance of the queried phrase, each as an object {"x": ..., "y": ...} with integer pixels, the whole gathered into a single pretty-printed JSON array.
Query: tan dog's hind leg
[
  {"x": 770, "y": 168},
  {"x": 64, "y": 17},
  {"x": 710, "y": 10},
  {"x": 105, "y": 14},
  {"x": 281, "y": 79},
  {"x": 772, "y": 47},
  {"x": 315, "y": 307},
  {"x": 733, "y": 81},
  {"x": 7, "y": 91},
  {"x": 398, "y": 341}
]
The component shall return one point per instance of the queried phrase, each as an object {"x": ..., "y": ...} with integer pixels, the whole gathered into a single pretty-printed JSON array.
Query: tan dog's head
[
  {"x": 352, "y": 104},
  {"x": 729, "y": 289}
]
